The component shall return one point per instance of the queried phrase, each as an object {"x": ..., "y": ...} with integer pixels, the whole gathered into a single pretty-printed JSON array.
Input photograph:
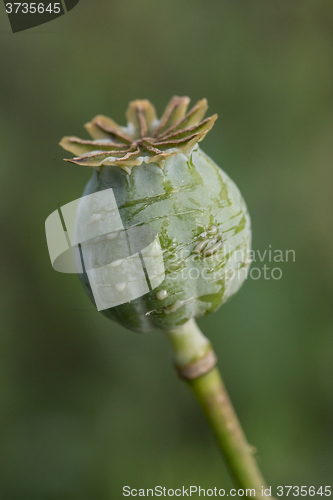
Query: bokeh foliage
[{"x": 87, "y": 407}]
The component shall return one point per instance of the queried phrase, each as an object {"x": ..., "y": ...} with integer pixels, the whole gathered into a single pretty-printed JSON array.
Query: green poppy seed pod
[{"x": 164, "y": 183}]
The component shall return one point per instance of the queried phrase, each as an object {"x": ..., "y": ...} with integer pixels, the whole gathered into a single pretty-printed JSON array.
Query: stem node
[{"x": 195, "y": 361}]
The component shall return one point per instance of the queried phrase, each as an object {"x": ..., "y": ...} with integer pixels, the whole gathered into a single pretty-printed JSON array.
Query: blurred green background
[{"x": 87, "y": 407}]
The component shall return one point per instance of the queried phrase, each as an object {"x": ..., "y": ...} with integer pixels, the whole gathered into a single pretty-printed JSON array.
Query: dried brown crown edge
[{"x": 145, "y": 139}]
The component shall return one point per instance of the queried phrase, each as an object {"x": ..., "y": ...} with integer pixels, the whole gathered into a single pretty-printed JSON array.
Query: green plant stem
[{"x": 189, "y": 346}]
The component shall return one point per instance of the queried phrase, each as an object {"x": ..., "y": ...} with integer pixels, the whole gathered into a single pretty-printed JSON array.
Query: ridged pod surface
[{"x": 175, "y": 189}]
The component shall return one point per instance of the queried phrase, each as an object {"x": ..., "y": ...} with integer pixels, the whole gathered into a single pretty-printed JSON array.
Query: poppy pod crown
[{"x": 145, "y": 138}]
